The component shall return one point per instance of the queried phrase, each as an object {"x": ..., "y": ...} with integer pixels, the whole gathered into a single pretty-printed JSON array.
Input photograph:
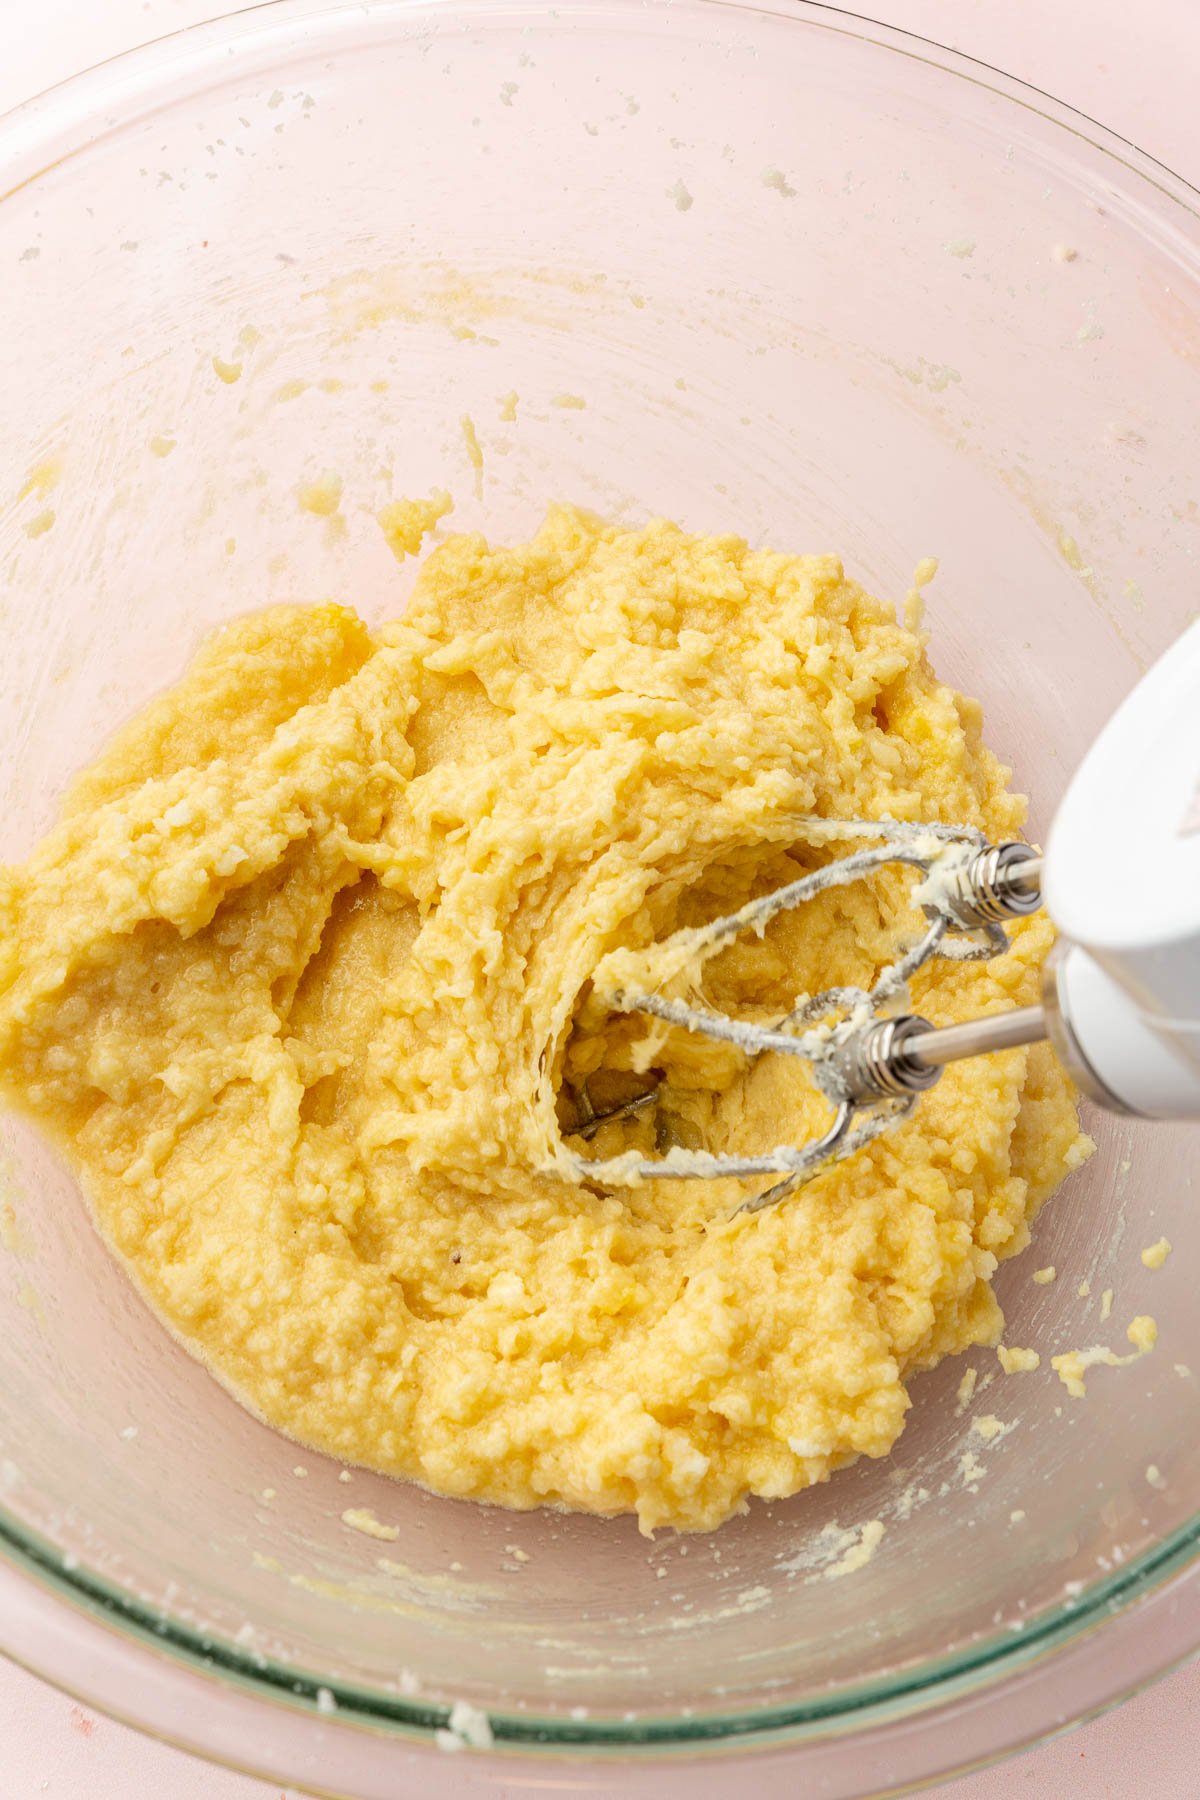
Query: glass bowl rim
[{"x": 68, "y": 119}]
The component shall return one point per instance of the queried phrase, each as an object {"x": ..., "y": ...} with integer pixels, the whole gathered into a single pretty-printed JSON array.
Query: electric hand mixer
[{"x": 1121, "y": 994}]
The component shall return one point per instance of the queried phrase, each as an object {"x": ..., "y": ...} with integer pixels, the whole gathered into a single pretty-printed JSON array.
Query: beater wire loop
[{"x": 957, "y": 898}]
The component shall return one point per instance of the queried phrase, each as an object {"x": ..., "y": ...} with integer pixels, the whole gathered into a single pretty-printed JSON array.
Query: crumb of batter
[
  {"x": 1142, "y": 1333},
  {"x": 775, "y": 178},
  {"x": 1155, "y": 1255},
  {"x": 971, "y": 1469},
  {"x": 322, "y": 496},
  {"x": 300, "y": 983},
  {"x": 1072, "y": 1366},
  {"x": 860, "y": 1552},
  {"x": 966, "y": 1389},
  {"x": 909, "y": 1499},
  {"x": 914, "y": 601},
  {"x": 508, "y": 406},
  {"x": 468, "y": 1728},
  {"x": 1018, "y": 1362},
  {"x": 1043, "y": 1277},
  {"x": 42, "y": 477},
  {"x": 406, "y": 523},
  {"x": 361, "y": 1518},
  {"x": 474, "y": 451}
]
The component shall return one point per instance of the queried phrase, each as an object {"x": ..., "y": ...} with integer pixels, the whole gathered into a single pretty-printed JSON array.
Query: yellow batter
[{"x": 300, "y": 982}]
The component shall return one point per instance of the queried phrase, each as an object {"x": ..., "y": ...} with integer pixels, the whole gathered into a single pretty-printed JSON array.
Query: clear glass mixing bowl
[{"x": 812, "y": 281}]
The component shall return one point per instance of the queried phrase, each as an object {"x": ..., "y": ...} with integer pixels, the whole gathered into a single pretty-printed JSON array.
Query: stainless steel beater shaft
[{"x": 893, "y": 1057}]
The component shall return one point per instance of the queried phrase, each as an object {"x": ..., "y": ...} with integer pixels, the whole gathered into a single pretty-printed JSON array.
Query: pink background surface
[{"x": 1131, "y": 66}]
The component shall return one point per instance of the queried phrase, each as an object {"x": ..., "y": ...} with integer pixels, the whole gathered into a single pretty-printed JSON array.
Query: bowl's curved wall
[{"x": 762, "y": 270}]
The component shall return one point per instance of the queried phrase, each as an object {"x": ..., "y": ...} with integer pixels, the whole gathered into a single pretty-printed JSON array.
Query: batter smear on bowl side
[{"x": 300, "y": 984}]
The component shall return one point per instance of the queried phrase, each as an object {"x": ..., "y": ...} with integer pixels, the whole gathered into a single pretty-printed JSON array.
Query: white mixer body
[{"x": 1122, "y": 883}]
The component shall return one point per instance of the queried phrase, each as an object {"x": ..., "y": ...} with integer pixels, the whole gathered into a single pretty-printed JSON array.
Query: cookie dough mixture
[{"x": 300, "y": 983}]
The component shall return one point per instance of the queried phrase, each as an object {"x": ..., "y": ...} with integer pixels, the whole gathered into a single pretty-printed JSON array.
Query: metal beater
[{"x": 1121, "y": 994}]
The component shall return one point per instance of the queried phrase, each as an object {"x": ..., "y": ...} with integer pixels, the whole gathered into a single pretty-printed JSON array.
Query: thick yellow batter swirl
[{"x": 300, "y": 981}]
